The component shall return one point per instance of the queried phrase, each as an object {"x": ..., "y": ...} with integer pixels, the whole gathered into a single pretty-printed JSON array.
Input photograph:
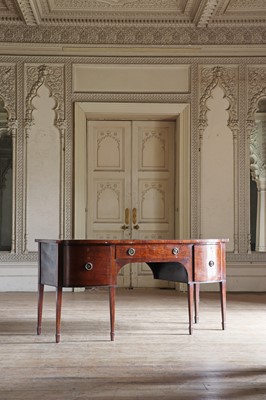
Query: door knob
[
  {"x": 136, "y": 227},
  {"x": 124, "y": 227}
]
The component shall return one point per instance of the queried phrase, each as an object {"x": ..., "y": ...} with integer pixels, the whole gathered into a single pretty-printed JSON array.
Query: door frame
[{"x": 180, "y": 113}]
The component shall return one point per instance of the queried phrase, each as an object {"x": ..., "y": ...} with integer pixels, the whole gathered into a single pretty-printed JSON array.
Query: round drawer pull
[
  {"x": 131, "y": 251},
  {"x": 175, "y": 251},
  {"x": 88, "y": 266},
  {"x": 211, "y": 263}
]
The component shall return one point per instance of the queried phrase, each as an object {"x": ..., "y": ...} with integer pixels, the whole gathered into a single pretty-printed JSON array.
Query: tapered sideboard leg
[
  {"x": 223, "y": 302},
  {"x": 40, "y": 308},
  {"x": 112, "y": 311},
  {"x": 196, "y": 301},
  {"x": 190, "y": 306},
  {"x": 58, "y": 313}
]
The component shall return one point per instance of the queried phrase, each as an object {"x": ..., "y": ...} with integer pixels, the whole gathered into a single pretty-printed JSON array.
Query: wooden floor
[{"x": 152, "y": 357}]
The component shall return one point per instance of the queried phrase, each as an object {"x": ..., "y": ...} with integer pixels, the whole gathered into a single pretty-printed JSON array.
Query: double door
[{"x": 130, "y": 186}]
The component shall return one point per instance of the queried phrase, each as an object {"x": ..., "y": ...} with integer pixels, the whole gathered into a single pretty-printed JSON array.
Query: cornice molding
[
  {"x": 205, "y": 11},
  {"x": 138, "y": 34},
  {"x": 29, "y": 12}
]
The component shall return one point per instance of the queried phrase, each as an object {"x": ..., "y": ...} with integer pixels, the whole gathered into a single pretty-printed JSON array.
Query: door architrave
[{"x": 180, "y": 113}]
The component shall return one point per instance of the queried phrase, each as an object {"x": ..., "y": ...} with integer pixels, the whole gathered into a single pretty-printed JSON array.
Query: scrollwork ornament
[
  {"x": 52, "y": 76},
  {"x": 8, "y": 88},
  {"x": 227, "y": 78},
  {"x": 256, "y": 88}
]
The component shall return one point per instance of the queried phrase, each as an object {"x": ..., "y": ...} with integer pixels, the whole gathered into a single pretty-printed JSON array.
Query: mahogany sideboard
[{"x": 85, "y": 263}]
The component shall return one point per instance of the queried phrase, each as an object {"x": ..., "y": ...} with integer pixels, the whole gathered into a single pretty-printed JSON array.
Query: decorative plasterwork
[
  {"x": 7, "y": 89},
  {"x": 227, "y": 79},
  {"x": 29, "y": 12},
  {"x": 9, "y": 12},
  {"x": 139, "y": 34},
  {"x": 256, "y": 92},
  {"x": 52, "y": 76},
  {"x": 78, "y": 12},
  {"x": 204, "y": 14},
  {"x": 256, "y": 89}
]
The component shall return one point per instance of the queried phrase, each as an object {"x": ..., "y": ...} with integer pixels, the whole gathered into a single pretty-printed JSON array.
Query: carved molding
[
  {"x": 256, "y": 91},
  {"x": 137, "y": 33},
  {"x": 227, "y": 79},
  {"x": 244, "y": 63},
  {"x": 204, "y": 15},
  {"x": 52, "y": 76},
  {"x": 256, "y": 84},
  {"x": 8, "y": 87},
  {"x": 29, "y": 12}
]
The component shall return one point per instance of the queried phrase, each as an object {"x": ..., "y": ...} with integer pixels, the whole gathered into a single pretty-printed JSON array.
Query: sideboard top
[{"x": 70, "y": 242}]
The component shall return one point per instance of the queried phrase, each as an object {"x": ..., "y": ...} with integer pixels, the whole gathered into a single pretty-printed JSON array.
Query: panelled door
[{"x": 130, "y": 186}]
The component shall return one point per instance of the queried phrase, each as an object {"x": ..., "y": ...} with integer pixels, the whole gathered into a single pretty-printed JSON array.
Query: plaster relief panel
[
  {"x": 44, "y": 154},
  {"x": 218, "y": 137},
  {"x": 8, "y": 157},
  {"x": 256, "y": 131}
]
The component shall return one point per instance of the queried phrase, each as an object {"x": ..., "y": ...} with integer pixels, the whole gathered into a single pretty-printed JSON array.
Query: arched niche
[
  {"x": 6, "y": 178},
  {"x": 258, "y": 178}
]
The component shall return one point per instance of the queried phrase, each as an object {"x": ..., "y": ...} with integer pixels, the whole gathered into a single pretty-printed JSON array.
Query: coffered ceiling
[
  {"x": 134, "y": 22},
  {"x": 198, "y": 13}
]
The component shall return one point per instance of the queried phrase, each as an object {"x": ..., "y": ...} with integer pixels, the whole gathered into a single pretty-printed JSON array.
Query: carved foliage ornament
[
  {"x": 8, "y": 88},
  {"x": 227, "y": 79},
  {"x": 256, "y": 94},
  {"x": 136, "y": 32},
  {"x": 52, "y": 76}
]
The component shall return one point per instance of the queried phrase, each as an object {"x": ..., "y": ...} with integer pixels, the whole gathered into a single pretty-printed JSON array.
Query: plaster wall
[{"x": 42, "y": 103}]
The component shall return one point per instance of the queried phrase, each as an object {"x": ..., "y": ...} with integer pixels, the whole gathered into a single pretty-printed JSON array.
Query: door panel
[
  {"x": 108, "y": 182},
  {"x": 130, "y": 186},
  {"x": 152, "y": 188}
]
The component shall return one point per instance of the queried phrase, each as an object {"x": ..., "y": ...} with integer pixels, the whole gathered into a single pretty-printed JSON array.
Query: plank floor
[{"x": 152, "y": 357}]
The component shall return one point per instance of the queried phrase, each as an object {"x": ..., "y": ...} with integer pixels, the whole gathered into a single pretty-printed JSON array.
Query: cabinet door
[{"x": 208, "y": 263}]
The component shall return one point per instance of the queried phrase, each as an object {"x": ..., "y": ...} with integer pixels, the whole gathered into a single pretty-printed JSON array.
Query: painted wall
[{"x": 40, "y": 93}]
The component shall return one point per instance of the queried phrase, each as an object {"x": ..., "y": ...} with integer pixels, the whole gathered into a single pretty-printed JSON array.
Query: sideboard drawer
[
  {"x": 208, "y": 263},
  {"x": 86, "y": 266},
  {"x": 162, "y": 252}
]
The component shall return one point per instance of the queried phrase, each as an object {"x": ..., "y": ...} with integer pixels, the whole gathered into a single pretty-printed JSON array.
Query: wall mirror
[
  {"x": 5, "y": 181},
  {"x": 258, "y": 179}
]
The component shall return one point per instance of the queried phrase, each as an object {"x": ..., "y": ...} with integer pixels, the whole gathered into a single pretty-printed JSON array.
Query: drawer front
[
  {"x": 86, "y": 265},
  {"x": 153, "y": 252},
  {"x": 207, "y": 263}
]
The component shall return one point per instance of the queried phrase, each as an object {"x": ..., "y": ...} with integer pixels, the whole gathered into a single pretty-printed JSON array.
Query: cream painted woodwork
[{"x": 130, "y": 186}]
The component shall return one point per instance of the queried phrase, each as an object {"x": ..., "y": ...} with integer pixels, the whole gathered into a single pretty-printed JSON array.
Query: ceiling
[
  {"x": 134, "y": 22},
  {"x": 197, "y": 13}
]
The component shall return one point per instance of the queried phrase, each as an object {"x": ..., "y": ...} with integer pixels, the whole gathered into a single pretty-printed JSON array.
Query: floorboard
[{"x": 152, "y": 357}]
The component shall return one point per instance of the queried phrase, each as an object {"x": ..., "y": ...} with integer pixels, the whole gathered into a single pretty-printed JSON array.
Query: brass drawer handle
[
  {"x": 211, "y": 263},
  {"x": 131, "y": 251},
  {"x": 88, "y": 266},
  {"x": 175, "y": 251}
]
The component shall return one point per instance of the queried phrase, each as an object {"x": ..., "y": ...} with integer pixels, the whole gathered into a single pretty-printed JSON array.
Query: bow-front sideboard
[{"x": 88, "y": 263}]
